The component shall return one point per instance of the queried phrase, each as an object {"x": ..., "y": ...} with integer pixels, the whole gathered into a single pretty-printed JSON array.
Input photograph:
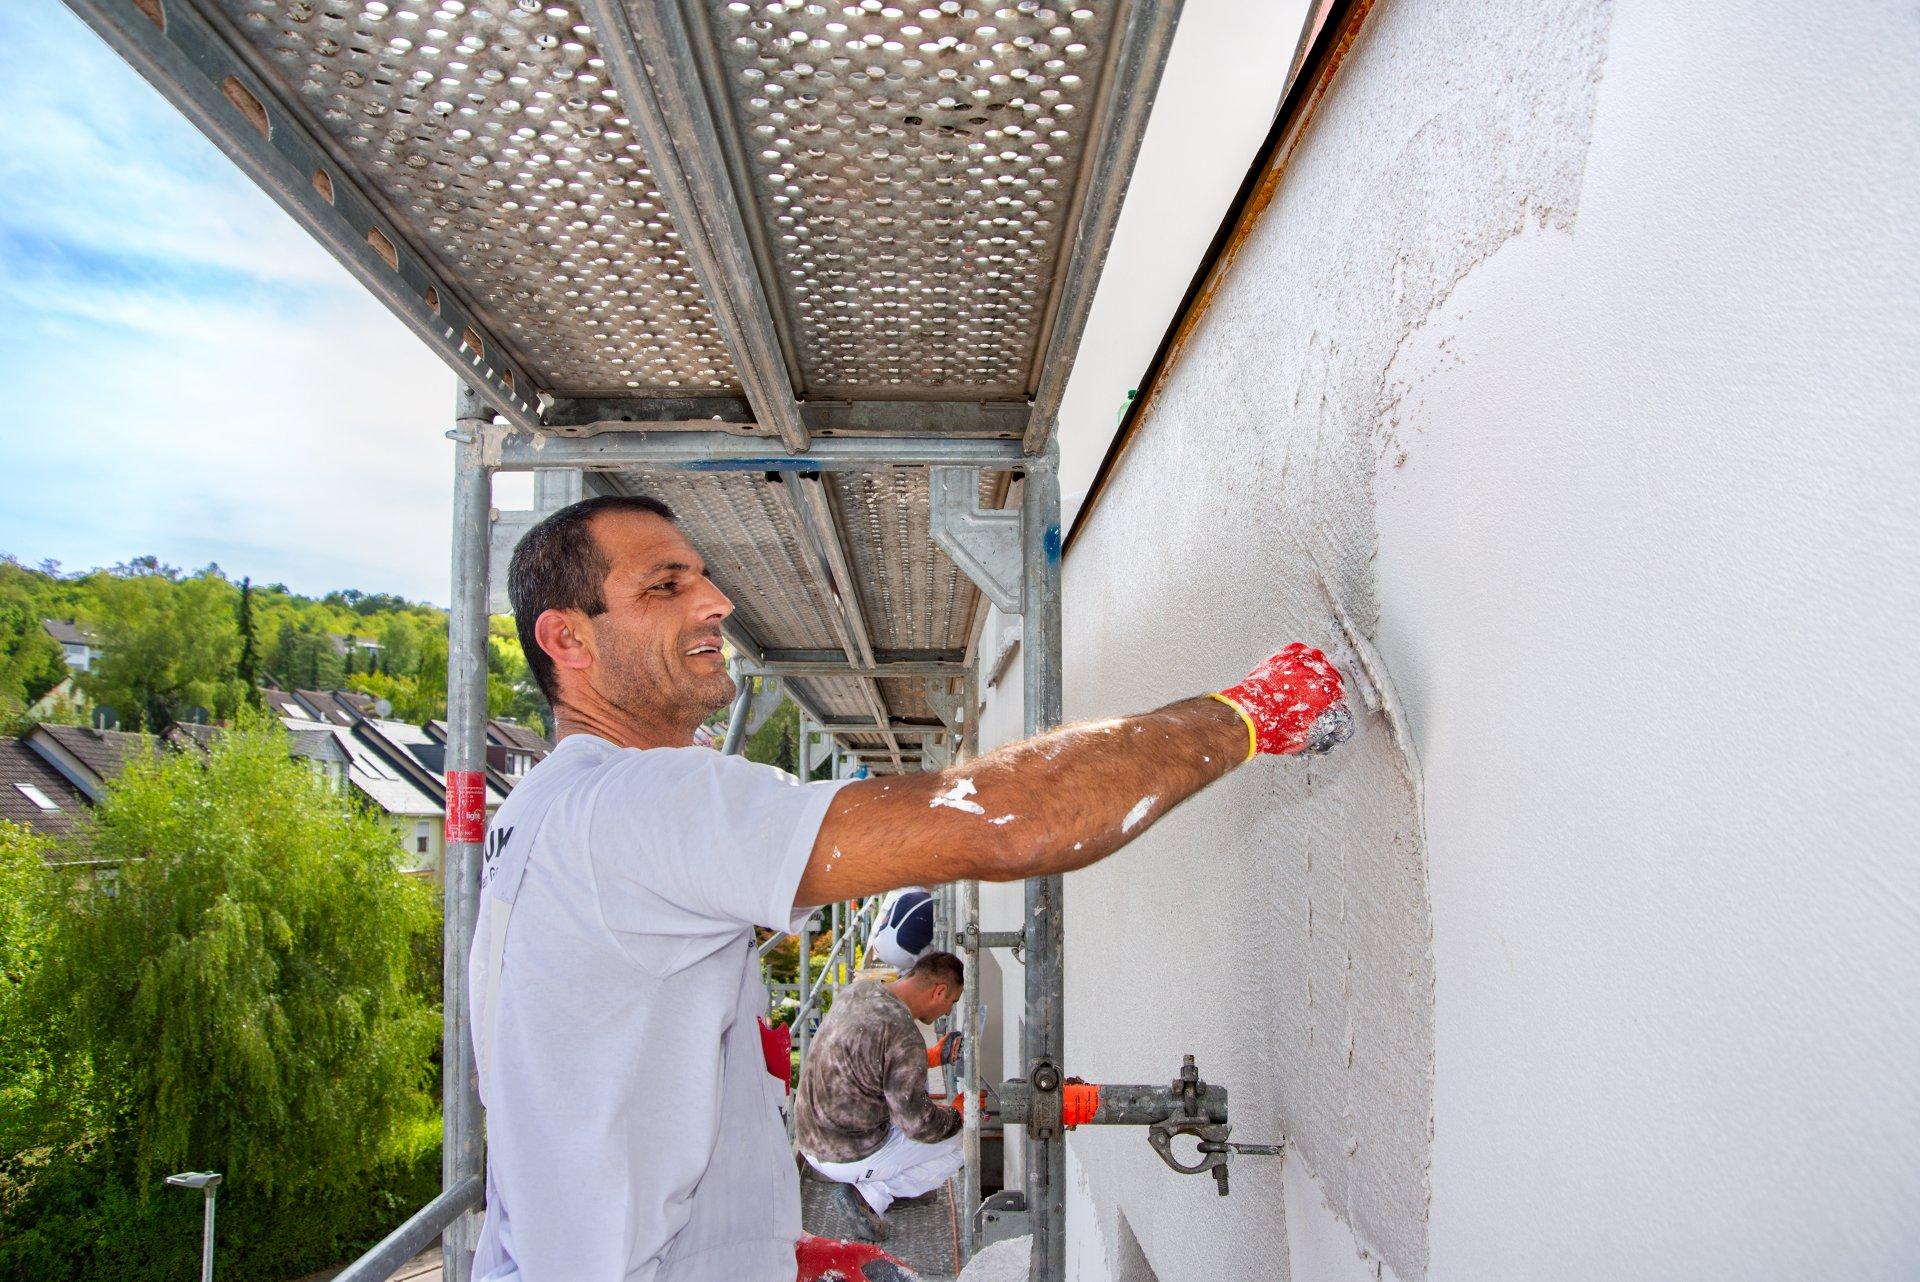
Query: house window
[
  {"x": 37, "y": 797},
  {"x": 421, "y": 829}
]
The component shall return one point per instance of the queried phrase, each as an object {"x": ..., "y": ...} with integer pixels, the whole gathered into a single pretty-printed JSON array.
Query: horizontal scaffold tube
[
  {"x": 515, "y": 450},
  {"x": 1087, "y": 1104}
]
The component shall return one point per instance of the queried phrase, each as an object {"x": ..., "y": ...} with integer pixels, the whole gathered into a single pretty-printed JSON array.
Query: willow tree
[{"x": 242, "y": 996}]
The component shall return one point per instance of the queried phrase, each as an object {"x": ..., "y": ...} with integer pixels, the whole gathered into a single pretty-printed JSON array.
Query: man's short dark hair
[
  {"x": 940, "y": 968},
  {"x": 558, "y": 566}
]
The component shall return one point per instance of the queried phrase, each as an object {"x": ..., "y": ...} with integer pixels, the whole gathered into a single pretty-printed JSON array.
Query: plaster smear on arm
[
  {"x": 955, "y": 798},
  {"x": 1141, "y": 809}
]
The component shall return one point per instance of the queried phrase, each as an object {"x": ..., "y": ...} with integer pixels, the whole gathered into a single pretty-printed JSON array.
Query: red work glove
[
  {"x": 959, "y": 1102},
  {"x": 1282, "y": 698},
  {"x": 944, "y": 1050},
  {"x": 826, "y": 1260}
]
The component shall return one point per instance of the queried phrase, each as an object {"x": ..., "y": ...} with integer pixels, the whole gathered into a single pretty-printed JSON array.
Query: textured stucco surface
[
  {"x": 1576, "y": 351},
  {"x": 1279, "y": 926},
  {"x": 1649, "y": 579}
]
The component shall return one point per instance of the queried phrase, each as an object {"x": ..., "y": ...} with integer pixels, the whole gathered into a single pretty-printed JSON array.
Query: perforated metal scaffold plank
[
  {"x": 489, "y": 128},
  {"x": 912, "y": 167},
  {"x": 877, "y": 216}
]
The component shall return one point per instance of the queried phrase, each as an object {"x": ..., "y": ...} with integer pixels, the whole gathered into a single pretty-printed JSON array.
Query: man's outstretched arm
[{"x": 1064, "y": 799}]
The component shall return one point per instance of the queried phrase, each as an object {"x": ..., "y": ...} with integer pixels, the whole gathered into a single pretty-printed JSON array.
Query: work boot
[{"x": 869, "y": 1224}]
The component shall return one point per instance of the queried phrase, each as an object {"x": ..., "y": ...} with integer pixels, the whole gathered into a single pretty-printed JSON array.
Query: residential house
[
  {"x": 53, "y": 773},
  {"x": 512, "y": 749},
  {"x": 336, "y": 707},
  {"x": 398, "y": 767},
  {"x": 80, "y": 644},
  {"x": 283, "y": 704},
  {"x": 81, "y": 647},
  {"x": 86, "y": 756}
]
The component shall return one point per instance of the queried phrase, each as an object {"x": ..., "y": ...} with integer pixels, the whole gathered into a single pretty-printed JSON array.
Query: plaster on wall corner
[{"x": 1548, "y": 131}]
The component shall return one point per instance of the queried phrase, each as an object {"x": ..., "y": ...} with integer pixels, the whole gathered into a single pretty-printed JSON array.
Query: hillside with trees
[{"x": 180, "y": 645}]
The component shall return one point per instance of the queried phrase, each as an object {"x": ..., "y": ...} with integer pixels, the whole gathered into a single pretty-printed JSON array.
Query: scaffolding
[{"x": 813, "y": 274}]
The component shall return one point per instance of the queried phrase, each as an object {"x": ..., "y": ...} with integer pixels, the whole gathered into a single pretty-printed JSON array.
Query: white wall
[{"x": 1576, "y": 354}]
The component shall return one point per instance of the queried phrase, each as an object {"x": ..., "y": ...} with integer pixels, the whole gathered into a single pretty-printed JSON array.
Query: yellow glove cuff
[{"x": 1253, "y": 735}]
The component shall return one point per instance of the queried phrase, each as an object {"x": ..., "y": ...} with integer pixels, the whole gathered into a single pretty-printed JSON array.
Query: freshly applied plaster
[
  {"x": 1662, "y": 484},
  {"x": 1290, "y": 903}
]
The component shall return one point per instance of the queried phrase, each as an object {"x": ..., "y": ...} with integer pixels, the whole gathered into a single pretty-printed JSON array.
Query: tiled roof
[
  {"x": 427, "y": 752},
  {"x": 21, "y": 765},
  {"x": 103, "y": 752},
  {"x": 282, "y": 704},
  {"x": 67, "y": 632},
  {"x": 391, "y": 792},
  {"x": 515, "y": 735},
  {"x": 392, "y": 788},
  {"x": 324, "y": 707},
  {"x": 188, "y": 732},
  {"x": 309, "y": 740},
  {"x": 363, "y": 704}
]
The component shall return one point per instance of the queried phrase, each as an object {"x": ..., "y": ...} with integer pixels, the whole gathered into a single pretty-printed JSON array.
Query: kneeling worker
[{"x": 862, "y": 1116}]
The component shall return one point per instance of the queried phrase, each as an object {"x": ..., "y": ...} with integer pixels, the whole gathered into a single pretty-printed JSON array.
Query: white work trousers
[{"x": 899, "y": 1168}]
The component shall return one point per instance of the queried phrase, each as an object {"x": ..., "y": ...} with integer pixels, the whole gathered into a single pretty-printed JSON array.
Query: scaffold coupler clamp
[
  {"x": 1043, "y": 1108},
  {"x": 1190, "y": 1118}
]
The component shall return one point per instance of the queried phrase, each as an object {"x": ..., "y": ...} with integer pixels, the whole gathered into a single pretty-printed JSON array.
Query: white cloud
[
  {"x": 95, "y": 156},
  {"x": 187, "y": 373}
]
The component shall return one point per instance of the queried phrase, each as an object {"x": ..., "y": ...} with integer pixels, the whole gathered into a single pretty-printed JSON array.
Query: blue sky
[{"x": 186, "y": 374}]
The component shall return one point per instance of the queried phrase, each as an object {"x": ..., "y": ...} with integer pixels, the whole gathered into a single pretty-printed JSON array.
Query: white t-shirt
[{"x": 632, "y": 1126}]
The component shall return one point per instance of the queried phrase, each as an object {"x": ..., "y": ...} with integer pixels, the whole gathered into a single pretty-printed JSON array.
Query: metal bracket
[
  {"x": 985, "y": 544},
  {"x": 1002, "y": 1215},
  {"x": 1193, "y": 1120},
  {"x": 946, "y": 705},
  {"x": 753, "y": 705},
  {"x": 974, "y": 937}
]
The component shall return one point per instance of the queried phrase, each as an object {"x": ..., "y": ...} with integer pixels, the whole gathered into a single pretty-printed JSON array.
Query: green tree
[
  {"x": 249, "y": 666},
  {"x": 511, "y": 689},
  {"x": 167, "y": 645},
  {"x": 244, "y": 996},
  {"x": 430, "y": 671},
  {"x": 777, "y": 743},
  {"x": 31, "y": 662},
  {"x": 34, "y": 1100},
  {"x": 399, "y": 645},
  {"x": 303, "y": 657}
]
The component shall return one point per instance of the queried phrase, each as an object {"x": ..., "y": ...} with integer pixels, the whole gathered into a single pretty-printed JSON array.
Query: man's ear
[{"x": 567, "y": 638}]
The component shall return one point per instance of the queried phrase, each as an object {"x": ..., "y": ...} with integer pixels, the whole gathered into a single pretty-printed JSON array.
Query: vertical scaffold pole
[
  {"x": 968, "y": 920},
  {"x": 466, "y": 811},
  {"x": 1045, "y": 1030},
  {"x": 805, "y": 976}
]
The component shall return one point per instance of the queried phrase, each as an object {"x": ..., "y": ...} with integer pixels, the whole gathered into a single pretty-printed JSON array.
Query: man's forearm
[
  {"x": 1049, "y": 804},
  {"x": 1079, "y": 793}
]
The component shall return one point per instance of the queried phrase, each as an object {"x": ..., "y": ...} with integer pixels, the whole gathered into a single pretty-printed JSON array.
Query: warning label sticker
[{"x": 466, "y": 805}]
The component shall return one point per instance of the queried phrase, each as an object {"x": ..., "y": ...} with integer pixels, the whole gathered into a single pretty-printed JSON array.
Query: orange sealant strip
[{"x": 1078, "y": 1103}]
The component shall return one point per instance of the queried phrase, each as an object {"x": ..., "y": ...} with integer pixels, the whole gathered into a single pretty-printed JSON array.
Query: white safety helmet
[{"x": 905, "y": 930}]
